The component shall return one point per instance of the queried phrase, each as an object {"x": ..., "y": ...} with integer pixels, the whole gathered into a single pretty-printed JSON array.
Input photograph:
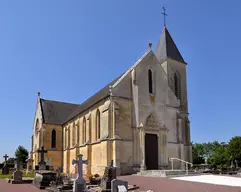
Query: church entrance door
[{"x": 151, "y": 151}]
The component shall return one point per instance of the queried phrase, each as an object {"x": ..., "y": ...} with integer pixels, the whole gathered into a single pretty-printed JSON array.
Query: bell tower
[{"x": 174, "y": 65}]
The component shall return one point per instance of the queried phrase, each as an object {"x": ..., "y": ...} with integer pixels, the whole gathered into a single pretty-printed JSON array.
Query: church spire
[{"x": 166, "y": 48}]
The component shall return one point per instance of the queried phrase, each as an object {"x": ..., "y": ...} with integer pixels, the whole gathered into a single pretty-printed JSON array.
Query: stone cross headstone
[
  {"x": 5, "y": 169},
  {"x": 79, "y": 183},
  {"x": 119, "y": 186},
  {"x": 42, "y": 162},
  {"x": 5, "y": 158}
]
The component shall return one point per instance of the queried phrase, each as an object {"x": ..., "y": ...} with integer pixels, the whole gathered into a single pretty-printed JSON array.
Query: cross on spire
[
  {"x": 5, "y": 157},
  {"x": 164, "y": 14}
]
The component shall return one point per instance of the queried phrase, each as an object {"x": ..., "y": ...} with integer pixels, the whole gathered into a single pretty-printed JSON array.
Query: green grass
[
  {"x": 9, "y": 176},
  {"x": 5, "y": 176}
]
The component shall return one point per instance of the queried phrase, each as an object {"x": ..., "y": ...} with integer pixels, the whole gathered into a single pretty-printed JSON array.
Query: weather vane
[{"x": 164, "y": 13}]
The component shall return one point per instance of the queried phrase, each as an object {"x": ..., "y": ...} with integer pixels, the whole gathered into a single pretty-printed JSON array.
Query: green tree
[
  {"x": 219, "y": 156},
  {"x": 21, "y": 154},
  {"x": 197, "y": 153},
  {"x": 206, "y": 150},
  {"x": 234, "y": 148},
  {"x": 11, "y": 160},
  {"x": 210, "y": 148}
]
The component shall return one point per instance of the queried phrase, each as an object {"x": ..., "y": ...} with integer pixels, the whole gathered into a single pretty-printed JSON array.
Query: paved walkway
[
  {"x": 157, "y": 184},
  {"x": 6, "y": 187},
  {"x": 213, "y": 179}
]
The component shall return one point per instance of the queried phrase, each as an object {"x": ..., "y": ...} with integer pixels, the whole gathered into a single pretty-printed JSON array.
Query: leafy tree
[
  {"x": 219, "y": 156},
  {"x": 11, "y": 160},
  {"x": 234, "y": 148},
  {"x": 210, "y": 148},
  {"x": 197, "y": 153},
  {"x": 21, "y": 154},
  {"x": 212, "y": 151}
]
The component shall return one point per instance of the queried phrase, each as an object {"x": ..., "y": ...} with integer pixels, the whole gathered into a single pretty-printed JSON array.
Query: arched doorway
[{"x": 151, "y": 151}]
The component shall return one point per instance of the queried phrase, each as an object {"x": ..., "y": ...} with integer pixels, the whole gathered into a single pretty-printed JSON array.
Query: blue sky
[{"x": 68, "y": 50}]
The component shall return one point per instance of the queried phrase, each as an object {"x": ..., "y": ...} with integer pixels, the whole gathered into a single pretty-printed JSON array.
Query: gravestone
[
  {"x": 109, "y": 175},
  {"x": 58, "y": 184},
  {"x": 79, "y": 183},
  {"x": 43, "y": 179},
  {"x": 119, "y": 186},
  {"x": 29, "y": 166},
  {"x": 42, "y": 163},
  {"x": 18, "y": 165},
  {"x": 50, "y": 164},
  {"x": 236, "y": 163},
  {"x": 18, "y": 174},
  {"x": 5, "y": 169}
]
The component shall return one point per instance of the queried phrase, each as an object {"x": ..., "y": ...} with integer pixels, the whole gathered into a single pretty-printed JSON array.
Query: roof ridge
[
  {"x": 101, "y": 91},
  {"x": 59, "y": 101}
]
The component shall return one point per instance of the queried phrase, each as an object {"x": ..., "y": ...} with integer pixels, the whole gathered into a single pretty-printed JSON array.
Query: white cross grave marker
[{"x": 79, "y": 183}]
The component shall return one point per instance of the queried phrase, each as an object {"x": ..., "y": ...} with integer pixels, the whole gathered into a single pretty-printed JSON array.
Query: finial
[
  {"x": 164, "y": 13},
  {"x": 39, "y": 94},
  {"x": 150, "y": 44}
]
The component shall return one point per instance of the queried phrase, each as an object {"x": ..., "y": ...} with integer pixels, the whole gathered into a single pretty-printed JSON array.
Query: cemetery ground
[{"x": 155, "y": 184}]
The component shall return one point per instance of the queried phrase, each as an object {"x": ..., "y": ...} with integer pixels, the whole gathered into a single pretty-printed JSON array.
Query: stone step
[{"x": 166, "y": 173}]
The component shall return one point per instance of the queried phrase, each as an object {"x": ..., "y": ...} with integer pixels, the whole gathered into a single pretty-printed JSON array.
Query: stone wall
[{"x": 96, "y": 150}]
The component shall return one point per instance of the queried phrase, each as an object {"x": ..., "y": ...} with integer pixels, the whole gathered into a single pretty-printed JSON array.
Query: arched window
[
  {"x": 98, "y": 125},
  {"x": 74, "y": 136},
  {"x": 177, "y": 85},
  {"x": 65, "y": 138},
  {"x": 150, "y": 81},
  {"x": 84, "y": 130},
  {"x": 36, "y": 127},
  {"x": 53, "y": 144}
]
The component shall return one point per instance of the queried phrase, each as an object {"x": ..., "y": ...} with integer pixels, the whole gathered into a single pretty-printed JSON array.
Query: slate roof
[
  {"x": 102, "y": 94},
  {"x": 55, "y": 112},
  {"x": 167, "y": 49}
]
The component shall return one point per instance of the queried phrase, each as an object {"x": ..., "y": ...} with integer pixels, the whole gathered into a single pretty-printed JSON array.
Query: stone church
[{"x": 139, "y": 120}]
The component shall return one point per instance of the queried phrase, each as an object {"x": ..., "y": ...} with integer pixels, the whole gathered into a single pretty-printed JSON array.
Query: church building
[{"x": 139, "y": 120}]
